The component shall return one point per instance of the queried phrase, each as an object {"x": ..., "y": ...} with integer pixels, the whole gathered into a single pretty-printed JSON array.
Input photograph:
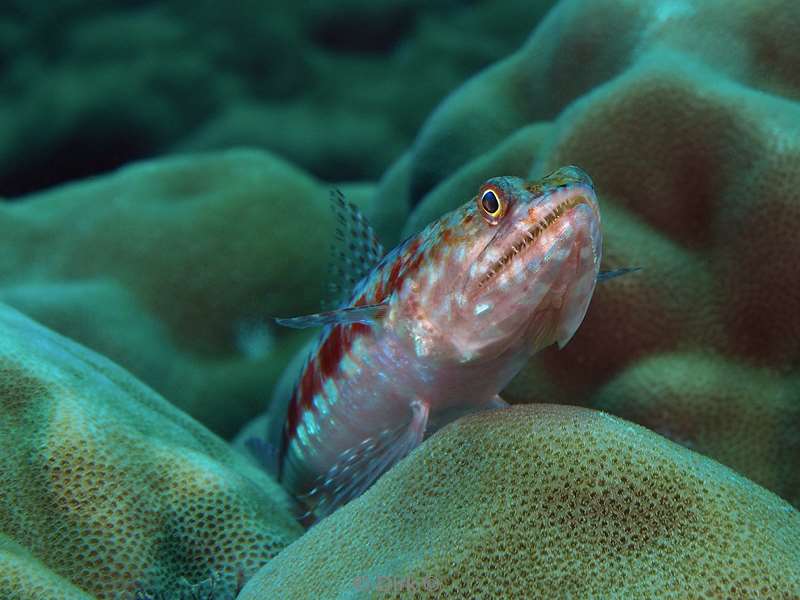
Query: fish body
[{"x": 437, "y": 329}]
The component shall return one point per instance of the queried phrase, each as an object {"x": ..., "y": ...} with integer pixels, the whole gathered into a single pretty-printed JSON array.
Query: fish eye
[{"x": 492, "y": 205}]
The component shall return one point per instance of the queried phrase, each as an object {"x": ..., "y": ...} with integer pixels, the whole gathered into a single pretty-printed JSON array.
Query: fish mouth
[{"x": 530, "y": 235}]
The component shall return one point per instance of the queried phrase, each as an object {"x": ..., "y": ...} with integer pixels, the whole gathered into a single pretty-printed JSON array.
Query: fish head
[{"x": 525, "y": 264}]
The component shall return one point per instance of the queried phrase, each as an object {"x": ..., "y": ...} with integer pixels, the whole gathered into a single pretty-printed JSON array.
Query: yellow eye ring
[{"x": 492, "y": 204}]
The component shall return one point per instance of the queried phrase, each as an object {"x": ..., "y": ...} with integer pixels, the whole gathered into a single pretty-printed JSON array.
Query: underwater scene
[{"x": 399, "y": 299}]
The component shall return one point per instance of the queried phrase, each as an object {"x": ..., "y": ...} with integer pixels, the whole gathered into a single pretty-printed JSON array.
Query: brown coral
[
  {"x": 541, "y": 501},
  {"x": 745, "y": 417},
  {"x": 110, "y": 487}
]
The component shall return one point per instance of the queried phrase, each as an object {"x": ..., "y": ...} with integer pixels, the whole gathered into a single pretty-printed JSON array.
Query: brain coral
[
  {"x": 541, "y": 501},
  {"x": 110, "y": 487},
  {"x": 687, "y": 116}
]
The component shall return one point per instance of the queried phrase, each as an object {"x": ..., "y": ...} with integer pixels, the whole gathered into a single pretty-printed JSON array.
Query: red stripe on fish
[
  {"x": 336, "y": 344},
  {"x": 437, "y": 340},
  {"x": 332, "y": 350},
  {"x": 339, "y": 339},
  {"x": 308, "y": 385}
]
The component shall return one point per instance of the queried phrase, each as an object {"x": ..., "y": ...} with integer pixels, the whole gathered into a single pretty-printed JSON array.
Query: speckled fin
[
  {"x": 606, "y": 275},
  {"x": 354, "y": 253},
  {"x": 371, "y": 313},
  {"x": 359, "y": 467}
]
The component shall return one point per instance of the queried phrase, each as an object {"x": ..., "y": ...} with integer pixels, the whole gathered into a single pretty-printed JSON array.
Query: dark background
[{"x": 340, "y": 88}]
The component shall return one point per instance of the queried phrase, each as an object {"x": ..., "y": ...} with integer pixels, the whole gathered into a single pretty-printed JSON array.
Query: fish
[{"x": 432, "y": 330}]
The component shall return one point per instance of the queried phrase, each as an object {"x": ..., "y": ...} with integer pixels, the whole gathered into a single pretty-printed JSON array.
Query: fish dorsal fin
[
  {"x": 370, "y": 314},
  {"x": 354, "y": 252},
  {"x": 606, "y": 275},
  {"x": 359, "y": 466}
]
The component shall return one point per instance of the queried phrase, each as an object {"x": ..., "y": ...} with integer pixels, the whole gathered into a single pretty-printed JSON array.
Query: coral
[
  {"x": 745, "y": 417},
  {"x": 173, "y": 268},
  {"x": 208, "y": 589},
  {"x": 544, "y": 500},
  {"x": 687, "y": 116},
  {"x": 113, "y": 489},
  {"x": 22, "y": 577}
]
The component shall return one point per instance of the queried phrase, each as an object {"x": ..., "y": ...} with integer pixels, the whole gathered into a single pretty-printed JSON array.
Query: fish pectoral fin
[
  {"x": 370, "y": 314},
  {"x": 360, "y": 466},
  {"x": 606, "y": 275}
]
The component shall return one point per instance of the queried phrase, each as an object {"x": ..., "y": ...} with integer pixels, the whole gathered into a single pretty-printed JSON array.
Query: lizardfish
[{"x": 436, "y": 329}]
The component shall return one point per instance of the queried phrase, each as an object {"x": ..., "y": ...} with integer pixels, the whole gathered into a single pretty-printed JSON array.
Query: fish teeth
[{"x": 529, "y": 237}]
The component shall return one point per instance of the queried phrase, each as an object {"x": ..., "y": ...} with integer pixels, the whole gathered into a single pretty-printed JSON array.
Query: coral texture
[
  {"x": 540, "y": 501},
  {"x": 22, "y": 577},
  {"x": 110, "y": 487},
  {"x": 687, "y": 116}
]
